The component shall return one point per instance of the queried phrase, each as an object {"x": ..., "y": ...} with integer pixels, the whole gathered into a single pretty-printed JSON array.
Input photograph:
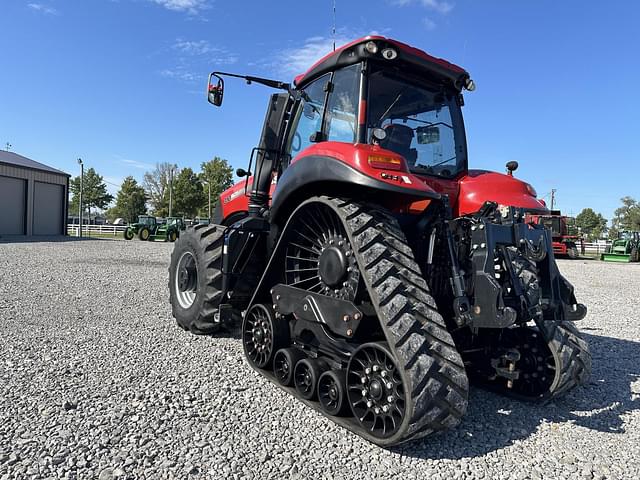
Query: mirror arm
[{"x": 263, "y": 81}]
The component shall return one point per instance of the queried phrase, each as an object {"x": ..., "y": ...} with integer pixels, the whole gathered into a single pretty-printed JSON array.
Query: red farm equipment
[
  {"x": 563, "y": 243},
  {"x": 372, "y": 274}
]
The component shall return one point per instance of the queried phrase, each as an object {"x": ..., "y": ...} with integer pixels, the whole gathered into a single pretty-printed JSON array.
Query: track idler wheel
[
  {"x": 262, "y": 335},
  {"x": 332, "y": 393},
  {"x": 284, "y": 363},
  {"x": 305, "y": 377},
  {"x": 375, "y": 390},
  {"x": 553, "y": 359}
]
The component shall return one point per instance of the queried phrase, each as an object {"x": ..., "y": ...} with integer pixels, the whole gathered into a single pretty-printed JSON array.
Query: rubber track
[
  {"x": 211, "y": 240},
  {"x": 415, "y": 331},
  {"x": 573, "y": 360}
]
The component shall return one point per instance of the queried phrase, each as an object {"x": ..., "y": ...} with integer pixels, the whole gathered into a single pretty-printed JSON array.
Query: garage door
[
  {"x": 13, "y": 195},
  {"x": 47, "y": 208}
]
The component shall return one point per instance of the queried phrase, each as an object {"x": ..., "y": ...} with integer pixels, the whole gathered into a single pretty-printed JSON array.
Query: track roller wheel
[
  {"x": 332, "y": 392},
  {"x": 284, "y": 363},
  {"x": 305, "y": 377},
  {"x": 262, "y": 335},
  {"x": 375, "y": 389}
]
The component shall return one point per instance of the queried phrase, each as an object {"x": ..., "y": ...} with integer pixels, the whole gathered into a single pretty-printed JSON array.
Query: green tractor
[
  {"x": 625, "y": 249},
  {"x": 148, "y": 228}
]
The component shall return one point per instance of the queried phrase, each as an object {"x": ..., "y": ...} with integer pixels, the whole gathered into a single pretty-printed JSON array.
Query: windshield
[
  {"x": 423, "y": 125},
  {"x": 552, "y": 223}
]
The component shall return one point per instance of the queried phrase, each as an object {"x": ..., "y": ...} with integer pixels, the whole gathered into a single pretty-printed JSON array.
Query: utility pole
[
  {"x": 553, "y": 197},
  {"x": 209, "y": 184},
  {"x": 80, "y": 202},
  {"x": 171, "y": 170}
]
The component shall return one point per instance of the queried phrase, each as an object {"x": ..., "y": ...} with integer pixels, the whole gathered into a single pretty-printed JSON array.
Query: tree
[
  {"x": 94, "y": 192},
  {"x": 592, "y": 224},
  {"x": 130, "y": 201},
  {"x": 156, "y": 185},
  {"x": 188, "y": 195},
  {"x": 627, "y": 217},
  {"x": 219, "y": 174}
]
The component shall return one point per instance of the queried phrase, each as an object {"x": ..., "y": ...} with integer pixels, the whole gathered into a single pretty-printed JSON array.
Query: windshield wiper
[{"x": 391, "y": 106}]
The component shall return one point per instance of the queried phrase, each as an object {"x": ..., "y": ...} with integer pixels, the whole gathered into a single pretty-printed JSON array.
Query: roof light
[
  {"x": 371, "y": 47},
  {"x": 389, "y": 53},
  {"x": 469, "y": 85}
]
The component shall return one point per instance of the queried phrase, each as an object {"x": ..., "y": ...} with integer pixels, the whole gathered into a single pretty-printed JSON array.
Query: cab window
[
  {"x": 342, "y": 110},
  {"x": 308, "y": 117}
]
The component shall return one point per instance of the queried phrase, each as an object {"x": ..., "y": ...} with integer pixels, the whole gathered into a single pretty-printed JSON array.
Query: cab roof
[{"x": 355, "y": 52}]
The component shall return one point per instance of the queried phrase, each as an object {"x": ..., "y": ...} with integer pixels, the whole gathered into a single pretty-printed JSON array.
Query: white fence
[
  {"x": 590, "y": 248},
  {"x": 594, "y": 248},
  {"x": 96, "y": 230}
]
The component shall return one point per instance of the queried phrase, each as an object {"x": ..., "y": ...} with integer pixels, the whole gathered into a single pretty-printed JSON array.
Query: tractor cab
[
  {"x": 147, "y": 220},
  {"x": 376, "y": 113},
  {"x": 177, "y": 221}
]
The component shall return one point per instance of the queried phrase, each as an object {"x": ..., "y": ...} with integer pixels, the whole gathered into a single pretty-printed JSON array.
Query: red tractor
[
  {"x": 563, "y": 243},
  {"x": 373, "y": 274}
]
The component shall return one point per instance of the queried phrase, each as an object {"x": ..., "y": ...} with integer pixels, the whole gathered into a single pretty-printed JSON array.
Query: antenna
[
  {"x": 334, "y": 25},
  {"x": 8, "y": 145}
]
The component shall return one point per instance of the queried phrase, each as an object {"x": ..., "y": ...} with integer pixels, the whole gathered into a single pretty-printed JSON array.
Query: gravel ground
[{"x": 97, "y": 382}]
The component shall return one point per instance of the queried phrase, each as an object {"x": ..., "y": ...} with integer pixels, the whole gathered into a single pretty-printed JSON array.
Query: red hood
[{"x": 479, "y": 186}]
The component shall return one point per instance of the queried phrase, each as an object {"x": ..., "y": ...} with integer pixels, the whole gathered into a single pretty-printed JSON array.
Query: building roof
[{"x": 10, "y": 158}]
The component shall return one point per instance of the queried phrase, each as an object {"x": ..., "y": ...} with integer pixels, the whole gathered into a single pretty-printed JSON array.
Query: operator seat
[{"x": 399, "y": 139}]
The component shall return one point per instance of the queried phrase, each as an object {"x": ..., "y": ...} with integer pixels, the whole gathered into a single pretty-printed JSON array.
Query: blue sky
[{"x": 121, "y": 83}]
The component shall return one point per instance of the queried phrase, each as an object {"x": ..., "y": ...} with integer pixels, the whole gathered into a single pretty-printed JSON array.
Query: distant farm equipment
[
  {"x": 626, "y": 248},
  {"x": 563, "y": 243},
  {"x": 148, "y": 228}
]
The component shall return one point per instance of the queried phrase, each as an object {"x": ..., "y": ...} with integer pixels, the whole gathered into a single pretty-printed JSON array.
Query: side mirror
[
  {"x": 428, "y": 135},
  {"x": 215, "y": 91}
]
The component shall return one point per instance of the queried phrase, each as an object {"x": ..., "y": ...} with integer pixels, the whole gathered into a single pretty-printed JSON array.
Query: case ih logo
[{"x": 233, "y": 195}]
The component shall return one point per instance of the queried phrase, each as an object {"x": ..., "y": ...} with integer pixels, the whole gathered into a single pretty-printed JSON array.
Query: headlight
[{"x": 531, "y": 190}]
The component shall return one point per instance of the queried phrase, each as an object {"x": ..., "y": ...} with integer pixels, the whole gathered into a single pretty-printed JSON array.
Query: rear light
[{"x": 388, "y": 163}]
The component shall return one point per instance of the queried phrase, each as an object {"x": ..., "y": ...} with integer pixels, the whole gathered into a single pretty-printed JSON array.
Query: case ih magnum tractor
[{"x": 373, "y": 273}]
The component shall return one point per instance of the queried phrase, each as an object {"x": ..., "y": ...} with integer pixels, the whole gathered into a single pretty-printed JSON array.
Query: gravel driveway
[{"x": 96, "y": 381}]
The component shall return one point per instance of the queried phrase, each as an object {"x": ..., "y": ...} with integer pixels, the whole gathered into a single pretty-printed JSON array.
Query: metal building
[{"x": 33, "y": 197}]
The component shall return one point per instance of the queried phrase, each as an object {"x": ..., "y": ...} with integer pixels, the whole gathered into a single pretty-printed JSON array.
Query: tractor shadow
[{"x": 494, "y": 422}]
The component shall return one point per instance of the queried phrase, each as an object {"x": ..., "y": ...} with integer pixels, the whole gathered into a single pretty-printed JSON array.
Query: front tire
[
  {"x": 128, "y": 234},
  {"x": 195, "y": 278},
  {"x": 143, "y": 234}
]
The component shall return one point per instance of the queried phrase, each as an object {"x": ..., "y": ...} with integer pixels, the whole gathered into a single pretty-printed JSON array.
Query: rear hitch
[{"x": 505, "y": 366}]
